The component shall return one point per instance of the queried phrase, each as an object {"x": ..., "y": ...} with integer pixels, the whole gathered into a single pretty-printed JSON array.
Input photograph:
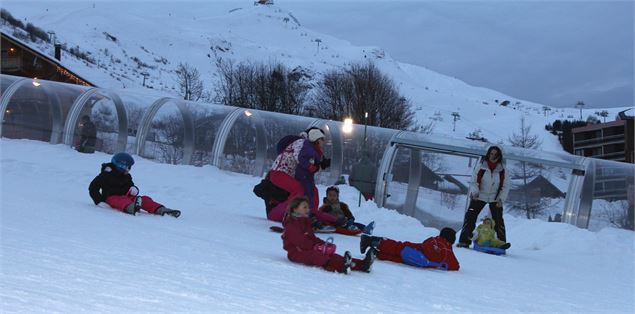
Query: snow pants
[
  {"x": 119, "y": 202},
  {"x": 390, "y": 250},
  {"x": 471, "y": 215},
  {"x": 289, "y": 184}
]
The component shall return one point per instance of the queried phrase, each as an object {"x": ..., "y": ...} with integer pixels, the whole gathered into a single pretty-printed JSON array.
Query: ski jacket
[
  {"x": 299, "y": 241},
  {"x": 287, "y": 160},
  {"x": 341, "y": 209},
  {"x": 109, "y": 182},
  {"x": 88, "y": 135},
  {"x": 436, "y": 249},
  {"x": 486, "y": 235},
  {"x": 490, "y": 185},
  {"x": 309, "y": 159}
]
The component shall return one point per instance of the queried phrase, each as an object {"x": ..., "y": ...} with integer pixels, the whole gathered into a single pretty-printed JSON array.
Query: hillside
[
  {"x": 123, "y": 40},
  {"x": 60, "y": 253}
]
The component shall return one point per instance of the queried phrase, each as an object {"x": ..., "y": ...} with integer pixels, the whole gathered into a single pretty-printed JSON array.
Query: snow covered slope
[
  {"x": 61, "y": 254},
  {"x": 126, "y": 39}
]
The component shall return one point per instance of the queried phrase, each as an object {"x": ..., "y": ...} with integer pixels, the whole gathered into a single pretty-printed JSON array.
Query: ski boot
[
  {"x": 167, "y": 211},
  {"x": 134, "y": 207},
  {"x": 371, "y": 255},
  {"x": 367, "y": 241},
  {"x": 505, "y": 246},
  {"x": 348, "y": 263},
  {"x": 369, "y": 228}
]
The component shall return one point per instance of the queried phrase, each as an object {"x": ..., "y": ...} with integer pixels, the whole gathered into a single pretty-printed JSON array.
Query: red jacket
[
  {"x": 436, "y": 249},
  {"x": 298, "y": 240}
]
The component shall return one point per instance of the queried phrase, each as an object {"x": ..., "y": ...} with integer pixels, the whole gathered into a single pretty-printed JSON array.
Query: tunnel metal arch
[
  {"x": 55, "y": 105},
  {"x": 261, "y": 138},
  {"x": 188, "y": 125},
  {"x": 78, "y": 107}
]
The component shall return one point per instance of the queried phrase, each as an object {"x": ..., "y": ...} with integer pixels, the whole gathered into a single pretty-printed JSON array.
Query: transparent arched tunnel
[{"x": 424, "y": 176}]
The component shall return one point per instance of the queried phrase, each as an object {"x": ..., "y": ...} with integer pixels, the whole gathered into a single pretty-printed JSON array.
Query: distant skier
[
  {"x": 490, "y": 187},
  {"x": 304, "y": 247},
  {"x": 484, "y": 235},
  {"x": 437, "y": 250},
  {"x": 114, "y": 187},
  {"x": 88, "y": 136}
]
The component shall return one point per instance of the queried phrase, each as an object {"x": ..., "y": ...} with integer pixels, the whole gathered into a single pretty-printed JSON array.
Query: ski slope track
[{"x": 62, "y": 254}]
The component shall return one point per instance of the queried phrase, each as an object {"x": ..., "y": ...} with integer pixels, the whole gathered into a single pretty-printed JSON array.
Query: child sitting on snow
[
  {"x": 437, "y": 250},
  {"x": 485, "y": 235},
  {"x": 334, "y": 206},
  {"x": 303, "y": 246},
  {"x": 114, "y": 186}
]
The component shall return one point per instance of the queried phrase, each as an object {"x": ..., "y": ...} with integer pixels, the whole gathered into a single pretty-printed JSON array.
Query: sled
[
  {"x": 414, "y": 257},
  {"x": 488, "y": 249},
  {"x": 347, "y": 231},
  {"x": 326, "y": 229}
]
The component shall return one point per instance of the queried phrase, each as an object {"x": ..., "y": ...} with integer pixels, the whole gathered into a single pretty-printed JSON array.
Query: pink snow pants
[
  {"x": 119, "y": 202},
  {"x": 289, "y": 184}
]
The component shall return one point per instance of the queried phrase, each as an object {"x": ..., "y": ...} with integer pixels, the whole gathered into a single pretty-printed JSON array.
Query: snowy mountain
[
  {"x": 61, "y": 254},
  {"x": 120, "y": 41}
]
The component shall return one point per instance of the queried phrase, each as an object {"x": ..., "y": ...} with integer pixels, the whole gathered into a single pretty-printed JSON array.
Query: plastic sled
[
  {"x": 488, "y": 249},
  {"x": 347, "y": 231},
  {"x": 414, "y": 257}
]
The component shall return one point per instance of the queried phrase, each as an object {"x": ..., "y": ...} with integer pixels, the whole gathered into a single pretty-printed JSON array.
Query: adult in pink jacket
[{"x": 294, "y": 170}]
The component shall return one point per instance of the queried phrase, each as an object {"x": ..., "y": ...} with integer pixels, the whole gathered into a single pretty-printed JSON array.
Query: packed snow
[{"x": 62, "y": 254}]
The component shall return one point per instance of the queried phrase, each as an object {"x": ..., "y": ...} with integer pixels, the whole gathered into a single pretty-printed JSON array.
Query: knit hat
[
  {"x": 448, "y": 234},
  {"x": 315, "y": 134}
]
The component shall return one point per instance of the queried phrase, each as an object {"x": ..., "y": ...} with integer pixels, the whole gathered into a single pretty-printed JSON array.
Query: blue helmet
[{"x": 123, "y": 161}]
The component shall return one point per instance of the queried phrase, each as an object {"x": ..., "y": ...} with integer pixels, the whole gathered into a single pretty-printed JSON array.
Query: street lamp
[{"x": 348, "y": 125}]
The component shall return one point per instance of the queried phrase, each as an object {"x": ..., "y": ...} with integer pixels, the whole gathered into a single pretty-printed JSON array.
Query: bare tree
[
  {"x": 524, "y": 139},
  {"x": 359, "y": 90},
  {"x": 189, "y": 80},
  {"x": 271, "y": 87},
  {"x": 169, "y": 137}
]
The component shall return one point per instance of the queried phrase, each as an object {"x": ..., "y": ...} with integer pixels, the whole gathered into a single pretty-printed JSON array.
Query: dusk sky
[{"x": 551, "y": 52}]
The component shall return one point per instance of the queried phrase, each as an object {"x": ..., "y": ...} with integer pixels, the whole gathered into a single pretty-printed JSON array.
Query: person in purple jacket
[
  {"x": 310, "y": 160},
  {"x": 299, "y": 158}
]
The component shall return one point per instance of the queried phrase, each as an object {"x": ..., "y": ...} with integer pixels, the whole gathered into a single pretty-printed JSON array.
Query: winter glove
[
  {"x": 474, "y": 236},
  {"x": 315, "y": 223},
  {"x": 103, "y": 205},
  {"x": 325, "y": 163},
  {"x": 325, "y": 248},
  {"x": 134, "y": 191},
  {"x": 341, "y": 221}
]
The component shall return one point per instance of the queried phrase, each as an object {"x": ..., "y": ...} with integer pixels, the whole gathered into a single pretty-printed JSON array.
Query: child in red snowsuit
[
  {"x": 114, "y": 187},
  {"x": 304, "y": 247},
  {"x": 436, "y": 249}
]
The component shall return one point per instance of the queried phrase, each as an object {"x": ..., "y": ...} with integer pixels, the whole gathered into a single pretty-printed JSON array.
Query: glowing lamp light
[
  {"x": 348, "y": 125},
  {"x": 36, "y": 83},
  {"x": 248, "y": 113}
]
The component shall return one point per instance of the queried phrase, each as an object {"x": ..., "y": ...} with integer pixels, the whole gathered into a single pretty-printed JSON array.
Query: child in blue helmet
[{"x": 114, "y": 186}]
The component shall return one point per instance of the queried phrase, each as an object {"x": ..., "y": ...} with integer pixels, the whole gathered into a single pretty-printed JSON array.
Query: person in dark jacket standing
[
  {"x": 436, "y": 249},
  {"x": 114, "y": 187},
  {"x": 304, "y": 247},
  {"x": 88, "y": 136},
  {"x": 489, "y": 187}
]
